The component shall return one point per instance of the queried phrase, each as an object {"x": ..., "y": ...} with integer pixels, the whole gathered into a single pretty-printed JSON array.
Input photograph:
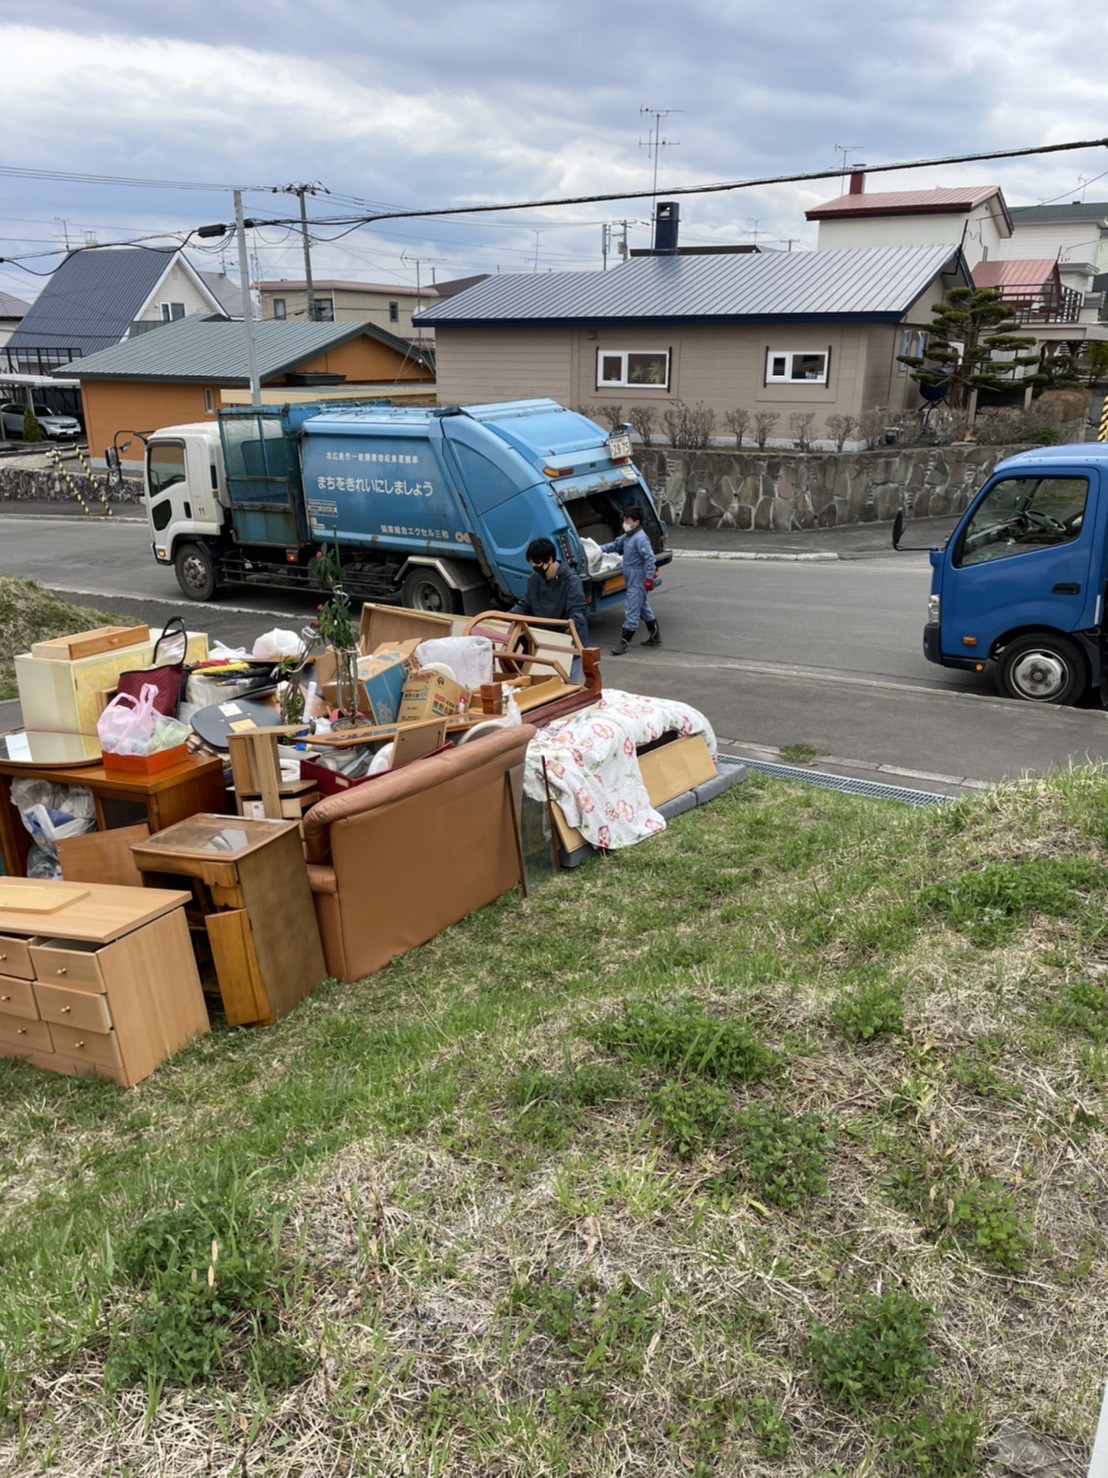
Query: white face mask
[{"x": 628, "y": 527}]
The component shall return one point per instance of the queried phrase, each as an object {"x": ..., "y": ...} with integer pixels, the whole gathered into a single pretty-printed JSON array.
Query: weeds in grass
[
  {"x": 986, "y": 903},
  {"x": 1080, "y": 1006},
  {"x": 692, "y": 1114},
  {"x": 881, "y": 1354},
  {"x": 978, "y": 1214},
  {"x": 605, "y": 1333},
  {"x": 684, "y": 1039},
  {"x": 784, "y": 1155},
  {"x": 942, "y": 1443},
  {"x": 874, "y": 1010}
]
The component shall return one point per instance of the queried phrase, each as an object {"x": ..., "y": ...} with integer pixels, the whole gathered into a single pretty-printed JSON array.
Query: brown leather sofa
[{"x": 394, "y": 861}]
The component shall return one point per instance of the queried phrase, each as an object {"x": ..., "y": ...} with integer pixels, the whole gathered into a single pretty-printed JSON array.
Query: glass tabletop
[
  {"x": 42, "y": 747},
  {"x": 213, "y": 836}
]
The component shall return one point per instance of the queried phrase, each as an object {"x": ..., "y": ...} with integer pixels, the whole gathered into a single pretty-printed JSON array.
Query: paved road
[{"x": 824, "y": 652}]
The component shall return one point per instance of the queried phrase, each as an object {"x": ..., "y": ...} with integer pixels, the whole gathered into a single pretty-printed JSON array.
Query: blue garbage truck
[
  {"x": 1019, "y": 587},
  {"x": 431, "y": 507}
]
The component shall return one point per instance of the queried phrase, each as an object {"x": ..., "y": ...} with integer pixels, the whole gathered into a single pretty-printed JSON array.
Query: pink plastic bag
[{"x": 127, "y": 724}]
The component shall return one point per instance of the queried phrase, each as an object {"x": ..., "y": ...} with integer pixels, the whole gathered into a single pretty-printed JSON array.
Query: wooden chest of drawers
[{"x": 107, "y": 985}]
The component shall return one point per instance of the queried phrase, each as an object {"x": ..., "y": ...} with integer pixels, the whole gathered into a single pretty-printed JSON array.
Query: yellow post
[{"x": 1102, "y": 434}]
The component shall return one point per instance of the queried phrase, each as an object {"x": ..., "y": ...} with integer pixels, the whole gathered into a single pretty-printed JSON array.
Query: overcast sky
[{"x": 479, "y": 101}]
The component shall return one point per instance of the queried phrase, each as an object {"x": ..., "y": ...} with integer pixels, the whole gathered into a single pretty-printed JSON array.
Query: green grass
[
  {"x": 29, "y": 613},
  {"x": 772, "y": 1146}
]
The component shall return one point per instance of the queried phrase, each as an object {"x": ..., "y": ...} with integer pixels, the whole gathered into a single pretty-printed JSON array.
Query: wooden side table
[
  {"x": 106, "y": 984},
  {"x": 251, "y": 888},
  {"x": 165, "y": 797}
]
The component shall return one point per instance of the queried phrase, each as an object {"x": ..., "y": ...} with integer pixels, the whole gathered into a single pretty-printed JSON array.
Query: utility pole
[
  {"x": 605, "y": 243},
  {"x": 247, "y": 305},
  {"x": 300, "y": 191},
  {"x": 538, "y": 238},
  {"x": 657, "y": 143}
]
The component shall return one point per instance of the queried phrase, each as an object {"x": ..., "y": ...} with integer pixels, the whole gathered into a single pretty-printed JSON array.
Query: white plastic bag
[
  {"x": 51, "y": 813},
  {"x": 468, "y": 657},
  {"x": 275, "y": 644},
  {"x": 127, "y": 724},
  {"x": 599, "y": 562}
]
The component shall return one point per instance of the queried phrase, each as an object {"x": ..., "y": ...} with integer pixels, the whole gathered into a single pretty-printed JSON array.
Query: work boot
[
  {"x": 655, "y": 637},
  {"x": 624, "y": 643}
]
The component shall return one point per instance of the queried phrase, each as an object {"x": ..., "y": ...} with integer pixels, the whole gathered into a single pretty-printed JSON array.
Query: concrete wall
[
  {"x": 783, "y": 491},
  {"x": 49, "y": 485}
]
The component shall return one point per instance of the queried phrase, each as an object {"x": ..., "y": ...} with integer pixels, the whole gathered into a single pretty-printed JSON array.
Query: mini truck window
[{"x": 1021, "y": 514}]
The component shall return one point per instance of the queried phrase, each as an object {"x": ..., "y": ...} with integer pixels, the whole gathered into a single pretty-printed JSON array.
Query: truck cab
[{"x": 1019, "y": 587}]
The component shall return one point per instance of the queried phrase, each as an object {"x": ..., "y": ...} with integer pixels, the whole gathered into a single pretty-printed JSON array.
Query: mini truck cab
[
  {"x": 433, "y": 507},
  {"x": 1020, "y": 584}
]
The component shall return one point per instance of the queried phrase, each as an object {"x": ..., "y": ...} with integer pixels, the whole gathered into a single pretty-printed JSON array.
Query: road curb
[{"x": 767, "y": 554}]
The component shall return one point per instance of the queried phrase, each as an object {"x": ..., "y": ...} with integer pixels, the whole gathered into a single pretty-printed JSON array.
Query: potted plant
[{"x": 335, "y": 624}]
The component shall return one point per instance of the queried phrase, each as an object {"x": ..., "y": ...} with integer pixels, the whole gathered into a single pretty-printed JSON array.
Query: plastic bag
[
  {"x": 599, "y": 563},
  {"x": 40, "y": 864},
  {"x": 275, "y": 644},
  {"x": 468, "y": 657},
  {"x": 168, "y": 732},
  {"x": 127, "y": 724},
  {"x": 51, "y": 813}
]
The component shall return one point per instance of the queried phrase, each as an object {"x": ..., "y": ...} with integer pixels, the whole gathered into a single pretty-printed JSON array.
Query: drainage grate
[{"x": 871, "y": 788}]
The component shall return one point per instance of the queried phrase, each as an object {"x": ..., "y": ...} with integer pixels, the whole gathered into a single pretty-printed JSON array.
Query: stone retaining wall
[
  {"x": 776, "y": 490},
  {"x": 52, "y": 485},
  {"x": 783, "y": 491}
]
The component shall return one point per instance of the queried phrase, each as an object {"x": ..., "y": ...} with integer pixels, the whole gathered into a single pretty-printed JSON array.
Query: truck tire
[
  {"x": 195, "y": 570},
  {"x": 426, "y": 590},
  {"x": 1041, "y": 667}
]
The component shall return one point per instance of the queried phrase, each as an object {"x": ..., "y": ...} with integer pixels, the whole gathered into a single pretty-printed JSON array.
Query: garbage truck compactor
[{"x": 432, "y": 507}]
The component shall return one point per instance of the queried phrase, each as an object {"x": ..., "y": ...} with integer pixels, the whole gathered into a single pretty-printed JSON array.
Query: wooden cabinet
[
  {"x": 106, "y": 985},
  {"x": 251, "y": 886}
]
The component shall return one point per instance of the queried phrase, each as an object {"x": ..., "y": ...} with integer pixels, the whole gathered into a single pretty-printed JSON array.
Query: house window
[
  {"x": 394, "y": 312},
  {"x": 323, "y": 310},
  {"x": 913, "y": 343},
  {"x": 209, "y": 400},
  {"x": 279, "y": 308},
  {"x": 170, "y": 311},
  {"x": 794, "y": 366},
  {"x": 632, "y": 367}
]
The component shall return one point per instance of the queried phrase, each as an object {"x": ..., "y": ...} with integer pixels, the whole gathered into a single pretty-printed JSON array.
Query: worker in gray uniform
[{"x": 640, "y": 575}]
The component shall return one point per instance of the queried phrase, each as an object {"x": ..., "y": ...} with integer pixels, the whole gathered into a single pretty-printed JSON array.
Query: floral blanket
[{"x": 592, "y": 768}]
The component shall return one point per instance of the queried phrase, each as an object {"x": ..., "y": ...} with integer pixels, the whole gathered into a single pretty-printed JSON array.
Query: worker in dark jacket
[
  {"x": 554, "y": 592},
  {"x": 640, "y": 574}
]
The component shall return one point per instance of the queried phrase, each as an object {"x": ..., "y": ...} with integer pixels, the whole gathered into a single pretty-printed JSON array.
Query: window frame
[
  {"x": 168, "y": 315},
  {"x": 789, "y": 355},
  {"x": 1029, "y": 539},
  {"x": 280, "y": 309},
  {"x": 317, "y": 313},
  {"x": 624, "y": 382},
  {"x": 394, "y": 312}
]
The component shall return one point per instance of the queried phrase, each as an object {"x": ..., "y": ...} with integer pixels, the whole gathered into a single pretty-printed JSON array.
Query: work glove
[{"x": 648, "y": 583}]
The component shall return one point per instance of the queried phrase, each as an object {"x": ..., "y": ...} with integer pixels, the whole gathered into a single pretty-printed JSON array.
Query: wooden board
[
  {"x": 44, "y": 897},
  {"x": 673, "y": 768},
  {"x": 89, "y": 643}
]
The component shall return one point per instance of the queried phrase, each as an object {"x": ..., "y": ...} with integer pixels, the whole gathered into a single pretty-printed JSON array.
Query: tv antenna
[
  {"x": 845, "y": 149},
  {"x": 657, "y": 142}
]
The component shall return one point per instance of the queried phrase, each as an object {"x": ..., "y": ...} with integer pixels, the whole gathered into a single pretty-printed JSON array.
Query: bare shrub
[
  {"x": 909, "y": 427},
  {"x": 613, "y": 414},
  {"x": 644, "y": 422},
  {"x": 800, "y": 429},
  {"x": 764, "y": 422},
  {"x": 840, "y": 429},
  {"x": 871, "y": 427},
  {"x": 1056, "y": 407},
  {"x": 737, "y": 422},
  {"x": 699, "y": 425},
  {"x": 1009, "y": 425}
]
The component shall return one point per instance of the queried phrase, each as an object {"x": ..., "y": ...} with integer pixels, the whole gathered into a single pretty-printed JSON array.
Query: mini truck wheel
[
  {"x": 195, "y": 572},
  {"x": 426, "y": 590},
  {"x": 1041, "y": 667}
]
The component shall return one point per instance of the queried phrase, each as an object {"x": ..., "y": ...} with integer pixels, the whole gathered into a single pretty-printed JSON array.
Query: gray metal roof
[
  {"x": 92, "y": 298},
  {"x": 878, "y": 283},
  {"x": 12, "y": 307},
  {"x": 1074, "y": 210},
  {"x": 213, "y": 351},
  {"x": 226, "y": 292}
]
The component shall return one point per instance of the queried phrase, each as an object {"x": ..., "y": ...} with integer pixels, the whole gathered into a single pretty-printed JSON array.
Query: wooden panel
[
  {"x": 82, "y": 1009},
  {"x": 89, "y": 643},
  {"x": 15, "y": 956},
  {"x": 278, "y": 900},
  {"x": 18, "y": 1035},
  {"x": 17, "y": 997},
  {"x": 673, "y": 768},
  {"x": 105, "y": 914},
  {"x": 103, "y": 856},
  {"x": 57, "y": 965},
  {"x": 240, "y": 981},
  {"x": 100, "y": 1048},
  {"x": 44, "y": 896},
  {"x": 154, "y": 994}
]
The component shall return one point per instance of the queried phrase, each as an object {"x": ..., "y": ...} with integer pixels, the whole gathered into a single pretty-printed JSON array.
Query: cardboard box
[
  {"x": 675, "y": 767},
  {"x": 381, "y": 679},
  {"x": 387, "y": 625},
  {"x": 429, "y": 695},
  {"x": 145, "y": 764},
  {"x": 63, "y": 696},
  {"x": 89, "y": 643}
]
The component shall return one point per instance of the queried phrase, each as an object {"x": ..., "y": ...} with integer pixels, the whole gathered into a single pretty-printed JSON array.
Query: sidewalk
[{"x": 853, "y": 541}]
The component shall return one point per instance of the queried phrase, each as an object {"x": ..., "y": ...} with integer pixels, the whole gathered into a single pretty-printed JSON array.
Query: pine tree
[
  {"x": 32, "y": 431},
  {"x": 970, "y": 346}
]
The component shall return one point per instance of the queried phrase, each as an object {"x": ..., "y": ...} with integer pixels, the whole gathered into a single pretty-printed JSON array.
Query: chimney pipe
[
  {"x": 857, "y": 182},
  {"x": 665, "y": 228}
]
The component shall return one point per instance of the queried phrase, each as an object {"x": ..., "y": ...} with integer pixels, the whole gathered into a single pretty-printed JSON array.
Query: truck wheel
[
  {"x": 1042, "y": 668},
  {"x": 426, "y": 590},
  {"x": 195, "y": 572}
]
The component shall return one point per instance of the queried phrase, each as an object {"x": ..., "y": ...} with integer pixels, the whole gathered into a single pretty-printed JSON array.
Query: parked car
[{"x": 55, "y": 427}]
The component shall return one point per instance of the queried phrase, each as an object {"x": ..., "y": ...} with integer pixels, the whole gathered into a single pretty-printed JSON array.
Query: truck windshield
[{"x": 1019, "y": 514}]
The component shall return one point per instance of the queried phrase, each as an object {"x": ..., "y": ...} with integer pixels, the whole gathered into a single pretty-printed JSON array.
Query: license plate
[{"x": 619, "y": 445}]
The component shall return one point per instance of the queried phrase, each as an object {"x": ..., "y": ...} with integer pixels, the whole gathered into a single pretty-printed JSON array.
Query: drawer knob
[
  {"x": 5, "y": 998},
  {"x": 81, "y": 1043},
  {"x": 62, "y": 970},
  {"x": 66, "y": 1010},
  {"x": 3, "y": 957},
  {"x": 21, "y": 1031}
]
